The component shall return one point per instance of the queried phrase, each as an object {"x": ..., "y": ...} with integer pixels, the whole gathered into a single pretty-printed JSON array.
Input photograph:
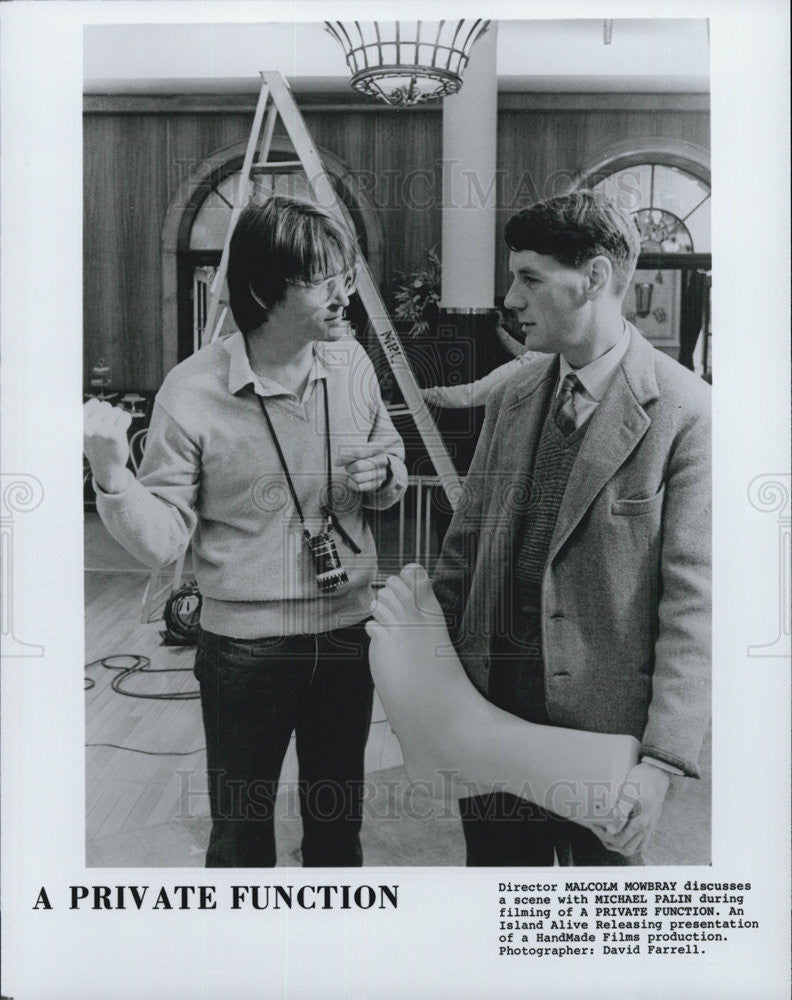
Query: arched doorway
[
  {"x": 665, "y": 186},
  {"x": 197, "y": 221}
]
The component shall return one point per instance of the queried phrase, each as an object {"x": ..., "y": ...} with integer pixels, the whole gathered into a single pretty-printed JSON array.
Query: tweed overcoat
[{"x": 626, "y": 591}]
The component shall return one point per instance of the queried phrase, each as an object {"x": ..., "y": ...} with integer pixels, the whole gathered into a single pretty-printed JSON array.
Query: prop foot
[{"x": 456, "y": 742}]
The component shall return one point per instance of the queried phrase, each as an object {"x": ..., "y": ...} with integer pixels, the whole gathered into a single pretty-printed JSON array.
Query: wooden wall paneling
[
  {"x": 396, "y": 157},
  {"x": 144, "y": 208},
  {"x": 525, "y": 160},
  {"x": 539, "y": 150},
  {"x": 125, "y": 191},
  {"x": 349, "y": 102},
  {"x": 344, "y": 133},
  {"x": 408, "y": 155},
  {"x": 693, "y": 127},
  {"x": 192, "y": 138},
  {"x": 135, "y": 162},
  {"x": 102, "y": 245},
  {"x": 133, "y": 166},
  {"x": 346, "y": 136}
]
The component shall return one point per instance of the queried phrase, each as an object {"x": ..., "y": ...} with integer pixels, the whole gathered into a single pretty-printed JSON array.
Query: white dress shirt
[{"x": 594, "y": 377}]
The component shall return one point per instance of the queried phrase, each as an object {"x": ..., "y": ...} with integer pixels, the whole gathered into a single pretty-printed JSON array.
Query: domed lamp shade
[{"x": 404, "y": 63}]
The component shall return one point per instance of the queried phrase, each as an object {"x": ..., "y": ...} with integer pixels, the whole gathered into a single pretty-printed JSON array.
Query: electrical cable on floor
[
  {"x": 140, "y": 664},
  {"x": 182, "y": 623},
  {"x": 150, "y": 753}
]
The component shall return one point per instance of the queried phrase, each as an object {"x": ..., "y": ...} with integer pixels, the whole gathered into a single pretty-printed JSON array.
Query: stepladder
[{"x": 275, "y": 102}]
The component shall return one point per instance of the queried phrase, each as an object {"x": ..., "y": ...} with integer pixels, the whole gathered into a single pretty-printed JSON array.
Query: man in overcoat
[{"x": 575, "y": 577}]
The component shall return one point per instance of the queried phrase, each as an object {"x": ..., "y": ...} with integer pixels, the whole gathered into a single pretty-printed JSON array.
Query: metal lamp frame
[{"x": 443, "y": 71}]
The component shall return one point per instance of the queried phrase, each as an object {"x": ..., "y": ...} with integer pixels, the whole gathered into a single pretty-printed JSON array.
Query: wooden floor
[
  {"x": 128, "y": 791},
  {"x": 146, "y": 804},
  {"x": 151, "y": 809}
]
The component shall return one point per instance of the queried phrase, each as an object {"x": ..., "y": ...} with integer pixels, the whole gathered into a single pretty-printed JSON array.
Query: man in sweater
[
  {"x": 575, "y": 577},
  {"x": 263, "y": 450}
]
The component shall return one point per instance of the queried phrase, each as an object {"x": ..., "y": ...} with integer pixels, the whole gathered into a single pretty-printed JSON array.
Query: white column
[{"x": 470, "y": 182}]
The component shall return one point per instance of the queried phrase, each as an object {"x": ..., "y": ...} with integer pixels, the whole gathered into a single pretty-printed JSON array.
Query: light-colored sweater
[{"x": 211, "y": 473}]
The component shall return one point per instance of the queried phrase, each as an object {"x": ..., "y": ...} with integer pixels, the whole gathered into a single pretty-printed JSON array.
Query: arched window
[
  {"x": 197, "y": 222},
  {"x": 665, "y": 186},
  {"x": 671, "y": 206}
]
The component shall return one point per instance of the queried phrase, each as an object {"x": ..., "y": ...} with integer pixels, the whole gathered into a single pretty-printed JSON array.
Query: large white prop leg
[{"x": 455, "y": 741}]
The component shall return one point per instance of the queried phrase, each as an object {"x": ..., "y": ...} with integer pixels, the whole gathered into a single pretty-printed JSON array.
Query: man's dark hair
[
  {"x": 281, "y": 242},
  {"x": 574, "y": 228}
]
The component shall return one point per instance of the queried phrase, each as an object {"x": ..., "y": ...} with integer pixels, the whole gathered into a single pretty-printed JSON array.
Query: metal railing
[{"x": 413, "y": 530}]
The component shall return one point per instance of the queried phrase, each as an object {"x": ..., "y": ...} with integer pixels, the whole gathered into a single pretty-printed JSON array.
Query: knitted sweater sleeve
[{"x": 154, "y": 517}]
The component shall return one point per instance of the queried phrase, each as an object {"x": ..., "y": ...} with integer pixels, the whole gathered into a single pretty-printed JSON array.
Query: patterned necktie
[{"x": 564, "y": 408}]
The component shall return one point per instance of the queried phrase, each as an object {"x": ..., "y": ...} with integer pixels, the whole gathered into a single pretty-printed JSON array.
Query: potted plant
[{"x": 417, "y": 295}]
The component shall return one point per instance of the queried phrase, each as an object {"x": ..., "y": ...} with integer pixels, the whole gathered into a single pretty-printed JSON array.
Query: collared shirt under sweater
[{"x": 211, "y": 474}]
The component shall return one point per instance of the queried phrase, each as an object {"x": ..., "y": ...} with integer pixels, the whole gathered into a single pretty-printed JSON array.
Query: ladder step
[
  {"x": 285, "y": 166},
  {"x": 308, "y": 160}
]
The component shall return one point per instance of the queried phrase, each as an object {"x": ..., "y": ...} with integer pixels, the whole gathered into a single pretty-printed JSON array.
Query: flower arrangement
[{"x": 417, "y": 295}]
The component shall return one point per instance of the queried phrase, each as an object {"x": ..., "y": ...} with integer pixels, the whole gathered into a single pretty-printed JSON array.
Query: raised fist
[{"x": 105, "y": 443}]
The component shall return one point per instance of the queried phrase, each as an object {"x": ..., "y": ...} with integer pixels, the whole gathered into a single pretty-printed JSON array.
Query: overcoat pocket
[{"x": 632, "y": 508}]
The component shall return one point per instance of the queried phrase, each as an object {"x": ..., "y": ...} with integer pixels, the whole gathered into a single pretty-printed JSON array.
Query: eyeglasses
[{"x": 347, "y": 280}]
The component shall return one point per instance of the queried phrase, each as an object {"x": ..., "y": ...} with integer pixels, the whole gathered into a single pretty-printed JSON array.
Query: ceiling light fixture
[{"x": 405, "y": 63}]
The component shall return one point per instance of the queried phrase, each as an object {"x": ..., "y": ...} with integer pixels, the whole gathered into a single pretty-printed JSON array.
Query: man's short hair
[
  {"x": 574, "y": 228},
  {"x": 281, "y": 242}
]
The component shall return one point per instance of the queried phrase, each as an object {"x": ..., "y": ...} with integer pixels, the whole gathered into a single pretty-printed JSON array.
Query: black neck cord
[{"x": 327, "y": 510}]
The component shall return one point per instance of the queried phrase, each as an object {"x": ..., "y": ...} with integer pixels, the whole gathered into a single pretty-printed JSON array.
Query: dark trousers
[
  {"x": 501, "y": 830},
  {"x": 254, "y": 695}
]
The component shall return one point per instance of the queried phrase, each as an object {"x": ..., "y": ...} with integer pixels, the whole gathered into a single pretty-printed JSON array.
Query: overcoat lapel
[
  {"x": 618, "y": 424},
  {"x": 521, "y": 427}
]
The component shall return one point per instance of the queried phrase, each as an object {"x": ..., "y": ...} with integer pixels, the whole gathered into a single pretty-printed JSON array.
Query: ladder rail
[
  {"x": 266, "y": 138},
  {"x": 368, "y": 292},
  {"x": 283, "y": 104}
]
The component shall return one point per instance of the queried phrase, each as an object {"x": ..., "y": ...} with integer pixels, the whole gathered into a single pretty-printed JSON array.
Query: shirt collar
[
  {"x": 596, "y": 376},
  {"x": 240, "y": 374}
]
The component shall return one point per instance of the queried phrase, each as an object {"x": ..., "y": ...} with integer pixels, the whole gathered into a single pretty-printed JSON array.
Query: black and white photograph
[
  {"x": 597, "y": 624},
  {"x": 395, "y": 438}
]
